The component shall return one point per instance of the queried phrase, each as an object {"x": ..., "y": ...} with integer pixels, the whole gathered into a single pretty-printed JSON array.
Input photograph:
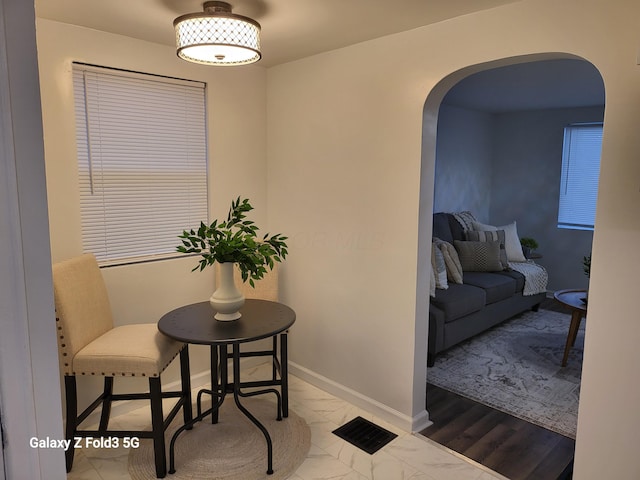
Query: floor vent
[{"x": 365, "y": 435}]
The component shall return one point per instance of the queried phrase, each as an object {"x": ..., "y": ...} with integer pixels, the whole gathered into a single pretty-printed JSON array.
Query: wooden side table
[{"x": 573, "y": 300}]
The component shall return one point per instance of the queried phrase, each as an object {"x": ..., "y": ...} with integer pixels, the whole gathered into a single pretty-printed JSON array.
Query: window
[
  {"x": 142, "y": 162},
  {"x": 580, "y": 172}
]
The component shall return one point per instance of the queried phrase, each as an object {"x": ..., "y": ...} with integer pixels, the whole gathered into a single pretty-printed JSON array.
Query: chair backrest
[
  {"x": 83, "y": 312},
  {"x": 265, "y": 289}
]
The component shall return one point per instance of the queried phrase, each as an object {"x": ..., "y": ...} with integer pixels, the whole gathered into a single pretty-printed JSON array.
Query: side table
[
  {"x": 573, "y": 300},
  {"x": 260, "y": 319}
]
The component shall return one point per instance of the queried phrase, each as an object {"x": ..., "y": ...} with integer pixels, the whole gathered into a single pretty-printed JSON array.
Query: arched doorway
[{"x": 481, "y": 120}]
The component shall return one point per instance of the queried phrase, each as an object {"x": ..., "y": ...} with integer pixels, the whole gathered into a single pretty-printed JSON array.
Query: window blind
[
  {"x": 142, "y": 162},
  {"x": 580, "y": 174}
]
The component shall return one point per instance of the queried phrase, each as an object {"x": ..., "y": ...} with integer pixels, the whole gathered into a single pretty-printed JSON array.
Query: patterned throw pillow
[
  {"x": 438, "y": 266},
  {"x": 511, "y": 241},
  {"x": 432, "y": 284},
  {"x": 451, "y": 260},
  {"x": 465, "y": 219},
  {"x": 491, "y": 236},
  {"x": 479, "y": 256}
]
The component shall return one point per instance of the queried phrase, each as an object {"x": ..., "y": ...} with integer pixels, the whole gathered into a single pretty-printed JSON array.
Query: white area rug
[{"x": 515, "y": 367}]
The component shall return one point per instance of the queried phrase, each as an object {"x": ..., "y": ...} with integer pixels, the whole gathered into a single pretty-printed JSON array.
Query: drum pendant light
[{"x": 217, "y": 36}]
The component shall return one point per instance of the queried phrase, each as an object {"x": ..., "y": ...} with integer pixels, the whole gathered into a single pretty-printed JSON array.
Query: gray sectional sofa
[{"x": 483, "y": 300}]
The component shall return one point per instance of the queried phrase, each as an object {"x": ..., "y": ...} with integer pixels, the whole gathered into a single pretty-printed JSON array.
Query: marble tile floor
[{"x": 408, "y": 457}]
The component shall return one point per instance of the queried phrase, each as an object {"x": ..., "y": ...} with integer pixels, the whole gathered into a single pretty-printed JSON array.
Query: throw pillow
[
  {"x": 491, "y": 236},
  {"x": 432, "y": 284},
  {"x": 451, "y": 260},
  {"x": 465, "y": 219},
  {"x": 512, "y": 241},
  {"x": 438, "y": 266},
  {"x": 479, "y": 256}
]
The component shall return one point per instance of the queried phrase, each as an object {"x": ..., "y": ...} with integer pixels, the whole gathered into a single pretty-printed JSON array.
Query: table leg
[
  {"x": 220, "y": 386},
  {"x": 217, "y": 392},
  {"x": 236, "y": 396},
  {"x": 219, "y": 396},
  {"x": 575, "y": 332},
  {"x": 219, "y": 366},
  {"x": 274, "y": 361},
  {"x": 284, "y": 374},
  {"x": 576, "y": 317}
]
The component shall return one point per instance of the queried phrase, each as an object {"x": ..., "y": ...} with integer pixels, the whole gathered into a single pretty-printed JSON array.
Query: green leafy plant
[
  {"x": 586, "y": 265},
  {"x": 235, "y": 240},
  {"x": 529, "y": 242}
]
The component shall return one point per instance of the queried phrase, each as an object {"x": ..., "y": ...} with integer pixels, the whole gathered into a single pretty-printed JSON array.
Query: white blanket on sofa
[{"x": 535, "y": 276}]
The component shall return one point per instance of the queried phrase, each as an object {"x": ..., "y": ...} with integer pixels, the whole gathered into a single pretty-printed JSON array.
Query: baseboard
[
  {"x": 416, "y": 423},
  {"x": 408, "y": 424}
]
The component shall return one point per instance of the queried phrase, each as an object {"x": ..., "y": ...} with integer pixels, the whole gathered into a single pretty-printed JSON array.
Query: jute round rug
[{"x": 232, "y": 449}]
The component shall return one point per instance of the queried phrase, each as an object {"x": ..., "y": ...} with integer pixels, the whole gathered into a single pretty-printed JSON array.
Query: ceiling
[
  {"x": 294, "y": 29},
  {"x": 291, "y": 29},
  {"x": 563, "y": 83}
]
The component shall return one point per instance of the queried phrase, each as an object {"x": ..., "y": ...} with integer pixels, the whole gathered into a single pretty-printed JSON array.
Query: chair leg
[
  {"x": 186, "y": 384},
  {"x": 106, "y": 403},
  {"x": 157, "y": 426},
  {"x": 71, "y": 397}
]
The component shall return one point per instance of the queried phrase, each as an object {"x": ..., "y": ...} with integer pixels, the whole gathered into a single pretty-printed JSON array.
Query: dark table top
[
  {"x": 195, "y": 323},
  {"x": 572, "y": 298}
]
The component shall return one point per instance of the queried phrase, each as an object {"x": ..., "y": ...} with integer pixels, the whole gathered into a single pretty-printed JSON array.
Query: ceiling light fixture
[{"x": 217, "y": 36}]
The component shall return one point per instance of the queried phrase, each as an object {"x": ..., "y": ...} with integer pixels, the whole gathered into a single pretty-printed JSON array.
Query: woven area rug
[
  {"x": 232, "y": 449},
  {"x": 515, "y": 367}
]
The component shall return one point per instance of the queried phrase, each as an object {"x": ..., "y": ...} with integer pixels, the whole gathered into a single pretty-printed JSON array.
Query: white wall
[
  {"x": 344, "y": 184},
  {"x": 464, "y": 162},
  {"x": 526, "y": 187},
  {"x": 29, "y": 390},
  {"x": 347, "y": 161},
  {"x": 236, "y": 110}
]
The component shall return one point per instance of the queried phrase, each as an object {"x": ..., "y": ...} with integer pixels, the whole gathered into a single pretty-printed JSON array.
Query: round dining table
[{"x": 260, "y": 319}]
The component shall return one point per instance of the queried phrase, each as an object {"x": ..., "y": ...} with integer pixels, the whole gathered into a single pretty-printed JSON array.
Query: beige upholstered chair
[
  {"x": 265, "y": 289},
  {"x": 89, "y": 344}
]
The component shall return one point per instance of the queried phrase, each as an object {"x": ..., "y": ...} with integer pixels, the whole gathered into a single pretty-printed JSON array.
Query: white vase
[{"x": 227, "y": 299}]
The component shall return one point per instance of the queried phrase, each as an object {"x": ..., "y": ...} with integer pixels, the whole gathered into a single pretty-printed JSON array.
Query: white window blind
[
  {"x": 580, "y": 174},
  {"x": 142, "y": 162}
]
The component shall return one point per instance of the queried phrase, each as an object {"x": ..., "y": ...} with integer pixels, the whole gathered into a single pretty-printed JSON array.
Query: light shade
[{"x": 217, "y": 36}]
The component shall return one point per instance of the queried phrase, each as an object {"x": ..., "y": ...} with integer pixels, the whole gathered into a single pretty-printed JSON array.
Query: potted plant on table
[
  {"x": 586, "y": 268},
  {"x": 586, "y": 265},
  {"x": 234, "y": 241},
  {"x": 528, "y": 246}
]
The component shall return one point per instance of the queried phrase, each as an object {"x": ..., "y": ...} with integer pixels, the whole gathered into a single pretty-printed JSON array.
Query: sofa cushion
[
  {"x": 517, "y": 276},
  {"x": 496, "y": 286},
  {"x": 459, "y": 300},
  {"x": 457, "y": 230},
  {"x": 441, "y": 228}
]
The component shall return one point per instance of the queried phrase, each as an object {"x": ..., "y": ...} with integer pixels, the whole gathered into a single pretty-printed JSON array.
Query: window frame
[
  {"x": 580, "y": 175},
  {"x": 146, "y": 179}
]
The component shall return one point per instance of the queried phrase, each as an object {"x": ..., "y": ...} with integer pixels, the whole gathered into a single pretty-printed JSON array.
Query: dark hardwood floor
[{"x": 512, "y": 447}]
